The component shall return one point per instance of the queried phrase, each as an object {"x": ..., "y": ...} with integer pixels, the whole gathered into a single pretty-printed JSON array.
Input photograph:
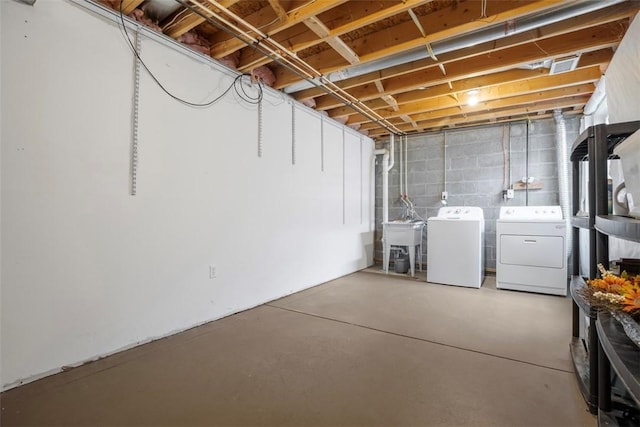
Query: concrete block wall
[{"x": 479, "y": 164}]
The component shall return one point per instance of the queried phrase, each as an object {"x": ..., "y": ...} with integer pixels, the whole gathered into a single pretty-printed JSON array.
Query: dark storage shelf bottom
[
  {"x": 622, "y": 414},
  {"x": 580, "y": 359}
]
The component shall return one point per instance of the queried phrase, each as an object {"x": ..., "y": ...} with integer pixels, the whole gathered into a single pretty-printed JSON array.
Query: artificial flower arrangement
[{"x": 614, "y": 293}]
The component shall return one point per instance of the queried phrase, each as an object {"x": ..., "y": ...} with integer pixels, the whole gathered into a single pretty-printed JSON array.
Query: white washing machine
[
  {"x": 455, "y": 247},
  {"x": 531, "y": 249}
]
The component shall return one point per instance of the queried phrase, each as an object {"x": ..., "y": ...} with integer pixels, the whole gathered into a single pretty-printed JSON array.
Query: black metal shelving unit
[
  {"x": 619, "y": 395},
  {"x": 618, "y": 401},
  {"x": 594, "y": 146}
]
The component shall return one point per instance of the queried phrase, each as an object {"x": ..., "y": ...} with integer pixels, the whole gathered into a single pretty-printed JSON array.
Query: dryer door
[{"x": 534, "y": 251}]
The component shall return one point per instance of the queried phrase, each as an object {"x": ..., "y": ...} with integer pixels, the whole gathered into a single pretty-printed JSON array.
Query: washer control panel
[
  {"x": 530, "y": 212},
  {"x": 461, "y": 212}
]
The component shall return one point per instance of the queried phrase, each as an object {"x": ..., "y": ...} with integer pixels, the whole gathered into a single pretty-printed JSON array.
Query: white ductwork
[{"x": 498, "y": 31}]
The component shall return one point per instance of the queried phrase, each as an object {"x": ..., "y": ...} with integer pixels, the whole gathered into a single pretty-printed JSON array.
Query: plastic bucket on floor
[{"x": 401, "y": 265}]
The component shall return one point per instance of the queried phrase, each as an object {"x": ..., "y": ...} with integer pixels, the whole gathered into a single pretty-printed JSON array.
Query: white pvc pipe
[
  {"x": 387, "y": 165},
  {"x": 385, "y": 183},
  {"x": 385, "y": 188},
  {"x": 406, "y": 164},
  {"x": 391, "y": 151},
  {"x": 401, "y": 156},
  {"x": 444, "y": 161}
]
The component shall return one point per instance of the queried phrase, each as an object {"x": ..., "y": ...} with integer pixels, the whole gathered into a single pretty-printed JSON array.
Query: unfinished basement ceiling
[{"x": 419, "y": 65}]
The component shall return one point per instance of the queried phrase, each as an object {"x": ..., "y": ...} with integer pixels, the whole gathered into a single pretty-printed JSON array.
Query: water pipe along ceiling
[{"x": 406, "y": 66}]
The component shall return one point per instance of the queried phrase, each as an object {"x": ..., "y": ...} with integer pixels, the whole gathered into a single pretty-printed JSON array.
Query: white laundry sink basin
[{"x": 402, "y": 233}]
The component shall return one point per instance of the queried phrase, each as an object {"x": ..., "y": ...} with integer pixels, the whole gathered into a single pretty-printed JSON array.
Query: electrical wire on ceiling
[
  {"x": 237, "y": 85},
  {"x": 273, "y": 50}
]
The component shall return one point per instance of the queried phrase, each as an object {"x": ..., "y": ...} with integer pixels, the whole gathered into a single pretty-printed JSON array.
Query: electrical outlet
[
  {"x": 212, "y": 272},
  {"x": 510, "y": 194},
  {"x": 444, "y": 195}
]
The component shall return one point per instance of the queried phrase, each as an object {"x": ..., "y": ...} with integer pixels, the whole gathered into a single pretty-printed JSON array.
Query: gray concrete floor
[{"x": 363, "y": 350}]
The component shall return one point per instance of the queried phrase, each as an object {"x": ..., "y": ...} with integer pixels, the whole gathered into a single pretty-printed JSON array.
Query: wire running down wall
[{"x": 214, "y": 228}]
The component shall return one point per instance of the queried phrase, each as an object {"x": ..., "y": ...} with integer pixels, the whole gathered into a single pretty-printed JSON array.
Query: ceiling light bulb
[{"x": 472, "y": 98}]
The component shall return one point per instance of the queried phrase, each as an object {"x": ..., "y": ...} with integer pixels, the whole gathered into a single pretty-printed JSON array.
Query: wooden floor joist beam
[
  {"x": 581, "y": 80},
  {"x": 585, "y": 41}
]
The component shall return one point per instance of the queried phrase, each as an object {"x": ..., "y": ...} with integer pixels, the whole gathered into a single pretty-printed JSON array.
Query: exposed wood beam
[
  {"x": 416, "y": 21},
  {"x": 527, "y": 103},
  {"x": 365, "y": 13},
  {"x": 458, "y": 21},
  {"x": 391, "y": 101},
  {"x": 129, "y": 6},
  {"x": 447, "y": 88},
  {"x": 520, "y": 112},
  {"x": 387, "y": 99},
  {"x": 408, "y": 119},
  {"x": 584, "y": 40},
  {"x": 278, "y": 9},
  {"x": 487, "y": 100},
  {"x": 617, "y": 13},
  {"x": 479, "y": 121},
  {"x": 263, "y": 21},
  {"x": 185, "y": 20},
  {"x": 335, "y": 42},
  {"x": 583, "y": 77}
]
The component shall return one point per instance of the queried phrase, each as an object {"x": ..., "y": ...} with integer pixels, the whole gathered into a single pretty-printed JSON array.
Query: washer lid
[{"x": 460, "y": 212}]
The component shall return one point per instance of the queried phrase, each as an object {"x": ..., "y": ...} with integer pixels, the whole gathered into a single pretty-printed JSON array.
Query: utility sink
[{"x": 403, "y": 233}]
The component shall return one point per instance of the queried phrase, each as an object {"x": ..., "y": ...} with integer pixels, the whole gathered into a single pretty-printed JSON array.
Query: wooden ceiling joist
[
  {"x": 264, "y": 21},
  {"x": 583, "y": 76},
  {"x": 185, "y": 20},
  {"x": 458, "y": 49},
  {"x": 524, "y": 105},
  {"x": 584, "y": 40},
  {"x": 508, "y": 114},
  {"x": 449, "y": 104},
  {"x": 405, "y": 37},
  {"x": 447, "y": 88},
  {"x": 335, "y": 42},
  {"x": 371, "y": 13},
  {"x": 479, "y": 120},
  {"x": 278, "y": 9},
  {"x": 129, "y": 6},
  {"x": 618, "y": 13}
]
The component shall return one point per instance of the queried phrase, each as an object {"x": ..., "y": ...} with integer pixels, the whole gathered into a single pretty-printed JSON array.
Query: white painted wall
[{"x": 88, "y": 269}]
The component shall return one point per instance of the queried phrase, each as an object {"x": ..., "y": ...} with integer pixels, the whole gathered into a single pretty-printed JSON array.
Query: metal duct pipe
[
  {"x": 455, "y": 43},
  {"x": 562, "y": 155}
]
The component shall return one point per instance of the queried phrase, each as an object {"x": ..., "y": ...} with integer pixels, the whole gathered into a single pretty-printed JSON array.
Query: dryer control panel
[{"x": 531, "y": 212}]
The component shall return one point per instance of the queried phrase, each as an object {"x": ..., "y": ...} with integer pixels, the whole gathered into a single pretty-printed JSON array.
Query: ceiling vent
[{"x": 564, "y": 65}]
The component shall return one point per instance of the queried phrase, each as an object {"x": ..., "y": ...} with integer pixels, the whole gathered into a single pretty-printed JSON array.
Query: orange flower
[
  {"x": 616, "y": 283},
  {"x": 631, "y": 300},
  {"x": 609, "y": 284}
]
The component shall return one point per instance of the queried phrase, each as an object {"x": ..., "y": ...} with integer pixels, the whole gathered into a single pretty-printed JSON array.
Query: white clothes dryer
[
  {"x": 531, "y": 249},
  {"x": 455, "y": 247}
]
